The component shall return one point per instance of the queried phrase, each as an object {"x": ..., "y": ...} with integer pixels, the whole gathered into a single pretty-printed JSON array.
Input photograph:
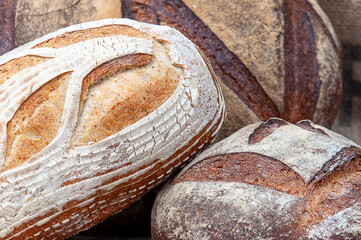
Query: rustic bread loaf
[
  {"x": 278, "y": 58},
  {"x": 92, "y": 117},
  {"x": 272, "y": 180}
]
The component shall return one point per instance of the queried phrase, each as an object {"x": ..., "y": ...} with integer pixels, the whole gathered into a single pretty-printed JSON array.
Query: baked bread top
[
  {"x": 96, "y": 106},
  {"x": 270, "y": 180}
]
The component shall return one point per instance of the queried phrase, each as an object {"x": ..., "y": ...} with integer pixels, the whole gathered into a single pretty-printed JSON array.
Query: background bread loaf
[
  {"x": 24, "y": 20},
  {"x": 270, "y": 180},
  {"x": 93, "y": 116}
]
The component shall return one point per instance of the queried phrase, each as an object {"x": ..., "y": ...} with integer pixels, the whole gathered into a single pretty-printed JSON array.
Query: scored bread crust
[
  {"x": 271, "y": 180},
  {"x": 70, "y": 185}
]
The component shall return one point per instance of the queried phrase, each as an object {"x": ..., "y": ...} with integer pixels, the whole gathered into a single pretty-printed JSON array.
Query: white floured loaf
[
  {"x": 92, "y": 117},
  {"x": 272, "y": 180}
]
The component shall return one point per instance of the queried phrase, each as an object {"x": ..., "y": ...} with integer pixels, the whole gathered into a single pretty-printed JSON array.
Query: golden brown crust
[
  {"x": 137, "y": 104},
  {"x": 8, "y": 69},
  {"x": 27, "y": 136},
  {"x": 70, "y": 38},
  {"x": 36, "y": 122},
  {"x": 95, "y": 76}
]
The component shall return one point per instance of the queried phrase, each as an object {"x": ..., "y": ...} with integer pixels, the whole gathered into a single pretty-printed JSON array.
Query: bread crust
[
  {"x": 269, "y": 180},
  {"x": 74, "y": 182}
]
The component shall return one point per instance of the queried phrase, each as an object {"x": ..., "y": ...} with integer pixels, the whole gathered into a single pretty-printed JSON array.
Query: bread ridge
[
  {"x": 194, "y": 111},
  {"x": 238, "y": 142}
]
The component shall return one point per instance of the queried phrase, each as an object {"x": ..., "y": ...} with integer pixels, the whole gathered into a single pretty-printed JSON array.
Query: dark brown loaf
[
  {"x": 276, "y": 58},
  {"x": 270, "y": 180}
]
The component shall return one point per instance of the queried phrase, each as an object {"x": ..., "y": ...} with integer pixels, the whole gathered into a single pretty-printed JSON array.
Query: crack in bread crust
[
  {"x": 36, "y": 122},
  {"x": 264, "y": 130}
]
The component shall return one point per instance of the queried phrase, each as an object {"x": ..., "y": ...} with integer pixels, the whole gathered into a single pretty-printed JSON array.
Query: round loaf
[
  {"x": 278, "y": 58},
  {"x": 272, "y": 180},
  {"x": 92, "y": 117}
]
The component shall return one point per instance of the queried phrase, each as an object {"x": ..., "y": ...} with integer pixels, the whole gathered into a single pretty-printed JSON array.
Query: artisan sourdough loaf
[
  {"x": 271, "y": 180},
  {"x": 92, "y": 117}
]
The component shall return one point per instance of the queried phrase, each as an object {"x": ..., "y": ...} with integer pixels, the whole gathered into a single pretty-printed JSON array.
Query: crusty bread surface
[{"x": 93, "y": 116}]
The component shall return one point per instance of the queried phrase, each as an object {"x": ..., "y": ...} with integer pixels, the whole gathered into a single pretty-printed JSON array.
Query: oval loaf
[
  {"x": 272, "y": 180},
  {"x": 92, "y": 117}
]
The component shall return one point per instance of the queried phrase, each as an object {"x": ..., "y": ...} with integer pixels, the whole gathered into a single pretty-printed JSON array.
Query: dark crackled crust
[
  {"x": 306, "y": 125},
  {"x": 265, "y": 129},
  {"x": 7, "y": 25},
  {"x": 301, "y": 96},
  {"x": 246, "y": 167},
  {"x": 225, "y": 63},
  {"x": 337, "y": 186}
]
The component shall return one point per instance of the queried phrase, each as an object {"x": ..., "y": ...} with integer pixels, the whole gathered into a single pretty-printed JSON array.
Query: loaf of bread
[
  {"x": 92, "y": 117},
  {"x": 276, "y": 58},
  {"x": 272, "y": 180}
]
